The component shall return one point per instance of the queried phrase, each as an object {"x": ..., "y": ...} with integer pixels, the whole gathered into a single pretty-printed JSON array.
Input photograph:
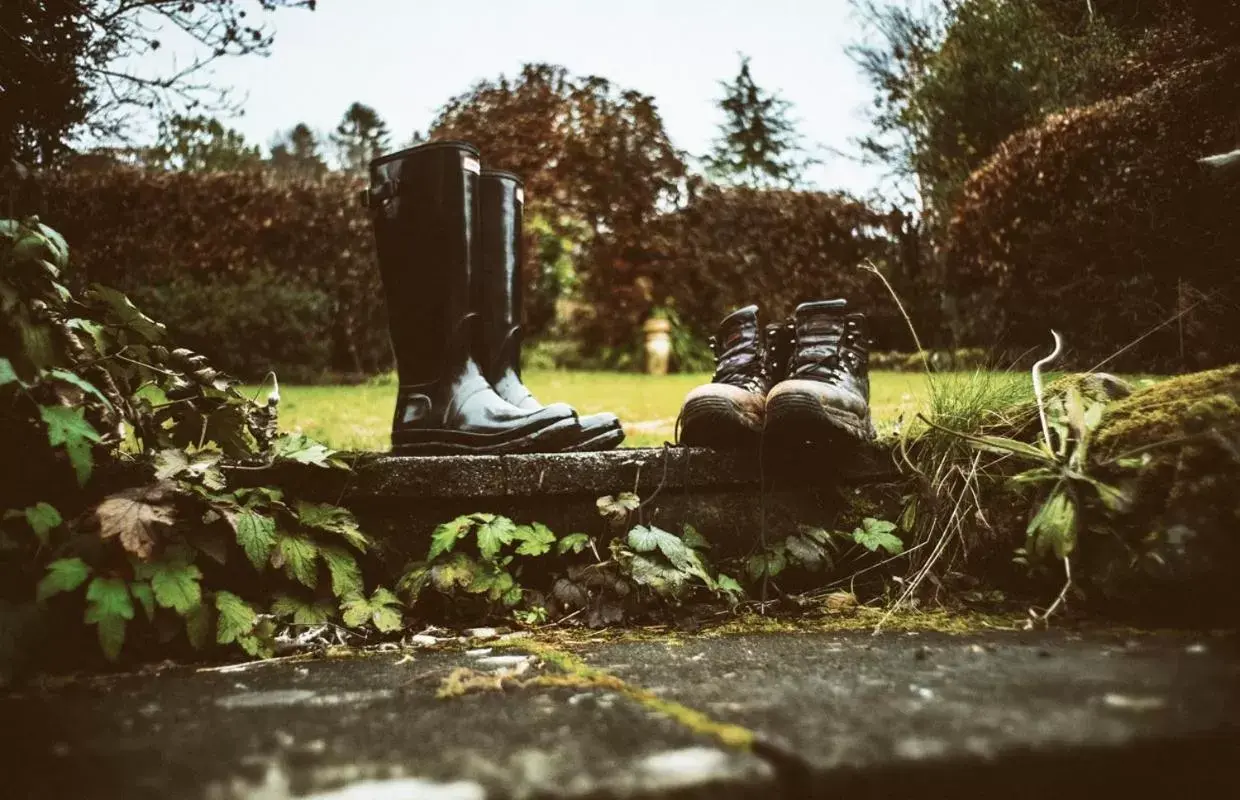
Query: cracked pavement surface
[{"x": 1015, "y": 713}]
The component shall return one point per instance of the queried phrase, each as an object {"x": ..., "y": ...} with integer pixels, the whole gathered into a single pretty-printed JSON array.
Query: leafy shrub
[
  {"x": 129, "y": 512},
  {"x": 135, "y": 229},
  {"x": 270, "y": 323},
  {"x": 1100, "y": 224}
]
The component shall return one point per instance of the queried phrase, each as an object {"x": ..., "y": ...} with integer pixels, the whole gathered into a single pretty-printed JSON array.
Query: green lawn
[{"x": 359, "y": 417}]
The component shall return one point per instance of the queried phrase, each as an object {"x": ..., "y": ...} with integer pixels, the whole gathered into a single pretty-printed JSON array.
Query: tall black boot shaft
[
  {"x": 424, "y": 203},
  {"x": 426, "y": 227},
  {"x": 498, "y": 300},
  {"x": 499, "y": 296}
]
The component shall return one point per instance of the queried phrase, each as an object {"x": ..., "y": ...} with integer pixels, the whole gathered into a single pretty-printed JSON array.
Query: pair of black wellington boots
[
  {"x": 448, "y": 236},
  {"x": 802, "y": 381}
]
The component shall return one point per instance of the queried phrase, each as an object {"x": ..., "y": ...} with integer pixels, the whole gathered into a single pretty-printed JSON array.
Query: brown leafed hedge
[
  {"x": 1101, "y": 224},
  {"x": 734, "y": 246},
  {"x": 287, "y": 266}
]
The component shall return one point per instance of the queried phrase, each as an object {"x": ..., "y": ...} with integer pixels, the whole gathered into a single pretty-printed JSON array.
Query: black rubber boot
[
  {"x": 424, "y": 206},
  {"x": 730, "y": 411},
  {"x": 498, "y": 301},
  {"x": 825, "y": 396}
]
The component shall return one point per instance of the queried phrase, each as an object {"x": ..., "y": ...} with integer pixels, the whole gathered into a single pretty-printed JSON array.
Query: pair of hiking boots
[
  {"x": 802, "y": 381},
  {"x": 448, "y": 235}
]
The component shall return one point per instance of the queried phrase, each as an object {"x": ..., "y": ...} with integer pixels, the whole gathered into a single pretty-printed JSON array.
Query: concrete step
[{"x": 400, "y": 500}]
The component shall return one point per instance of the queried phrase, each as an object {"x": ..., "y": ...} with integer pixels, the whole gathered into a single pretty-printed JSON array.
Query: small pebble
[
  {"x": 1133, "y": 703},
  {"x": 1197, "y": 648},
  {"x": 480, "y": 652},
  {"x": 423, "y": 640},
  {"x": 482, "y": 633},
  {"x": 503, "y": 661}
]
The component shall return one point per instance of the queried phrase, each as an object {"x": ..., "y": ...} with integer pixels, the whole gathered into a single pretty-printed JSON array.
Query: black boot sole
[
  {"x": 716, "y": 423},
  {"x": 795, "y": 419},
  {"x": 608, "y": 440},
  {"x": 439, "y": 442}
]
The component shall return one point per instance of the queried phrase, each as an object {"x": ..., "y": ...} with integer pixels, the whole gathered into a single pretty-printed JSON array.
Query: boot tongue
[
  {"x": 739, "y": 326},
  {"x": 817, "y": 320},
  {"x": 738, "y": 357}
]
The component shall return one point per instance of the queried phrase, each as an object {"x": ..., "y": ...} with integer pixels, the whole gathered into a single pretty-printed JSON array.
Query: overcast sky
[{"x": 406, "y": 57}]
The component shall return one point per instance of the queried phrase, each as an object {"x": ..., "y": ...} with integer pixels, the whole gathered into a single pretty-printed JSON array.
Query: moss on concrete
[
  {"x": 1182, "y": 531},
  {"x": 577, "y": 674},
  {"x": 1170, "y": 410}
]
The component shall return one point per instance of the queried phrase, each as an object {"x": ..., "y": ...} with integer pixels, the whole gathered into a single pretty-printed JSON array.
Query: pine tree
[
  {"x": 360, "y": 136},
  {"x": 758, "y": 143},
  {"x": 297, "y": 153}
]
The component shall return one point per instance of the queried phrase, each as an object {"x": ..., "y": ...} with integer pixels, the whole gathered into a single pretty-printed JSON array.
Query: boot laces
[
  {"x": 740, "y": 365},
  {"x": 831, "y": 356}
]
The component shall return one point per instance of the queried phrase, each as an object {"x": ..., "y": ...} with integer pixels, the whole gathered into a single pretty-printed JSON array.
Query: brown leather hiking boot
[
  {"x": 729, "y": 412},
  {"x": 825, "y": 396}
]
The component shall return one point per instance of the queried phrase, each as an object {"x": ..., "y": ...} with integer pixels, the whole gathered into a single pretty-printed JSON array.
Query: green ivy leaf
[
  {"x": 663, "y": 580},
  {"x": 127, "y": 313},
  {"x": 42, "y": 518},
  {"x": 108, "y": 606},
  {"x": 68, "y": 427},
  {"x": 619, "y": 506},
  {"x": 7, "y": 373},
  {"x": 73, "y": 379},
  {"x": 171, "y": 462},
  {"x": 301, "y": 611},
  {"x": 260, "y": 641},
  {"x": 815, "y": 534},
  {"x": 176, "y": 586},
  {"x": 63, "y": 575},
  {"x": 446, "y": 535},
  {"x": 333, "y": 519},
  {"x": 141, "y": 591},
  {"x": 576, "y": 542},
  {"x": 769, "y": 563},
  {"x": 492, "y": 580},
  {"x": 644, "y": 539},
  {"x": 296, "y": 554},
  {"x": 730, "y": 587},
  {"x": 416, "y": 576},
  {"x": 457, "y": 571},
  {"x": 236, "y": 619},
  {"x": 875, "y": 534},
  {"x": 535, "y": 539},
  {"x": 256, "y": 533},
  {"x": 381, "y": 609},
  {"x": 346, "y": 574},
  {"x": 806, "y": 552},
  {"x": 690, "y": 536},
  {"x": 302, "y": 449},
  {"x": 512, "y": 597},
  {"x": 494, "y": 534}
]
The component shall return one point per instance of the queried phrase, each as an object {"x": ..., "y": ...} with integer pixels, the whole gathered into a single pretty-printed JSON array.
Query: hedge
[
  {"x": 733, "y": 246},
  {"x": 256, "y": 270},
  {"x": 1101, "y": 224}
]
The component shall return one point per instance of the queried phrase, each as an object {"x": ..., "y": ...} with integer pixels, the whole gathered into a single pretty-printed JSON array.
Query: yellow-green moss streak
[{"x": 577, "y": 674}]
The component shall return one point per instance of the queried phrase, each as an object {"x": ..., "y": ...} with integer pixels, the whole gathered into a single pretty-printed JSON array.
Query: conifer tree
[{"x": 758, "y": 143}]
